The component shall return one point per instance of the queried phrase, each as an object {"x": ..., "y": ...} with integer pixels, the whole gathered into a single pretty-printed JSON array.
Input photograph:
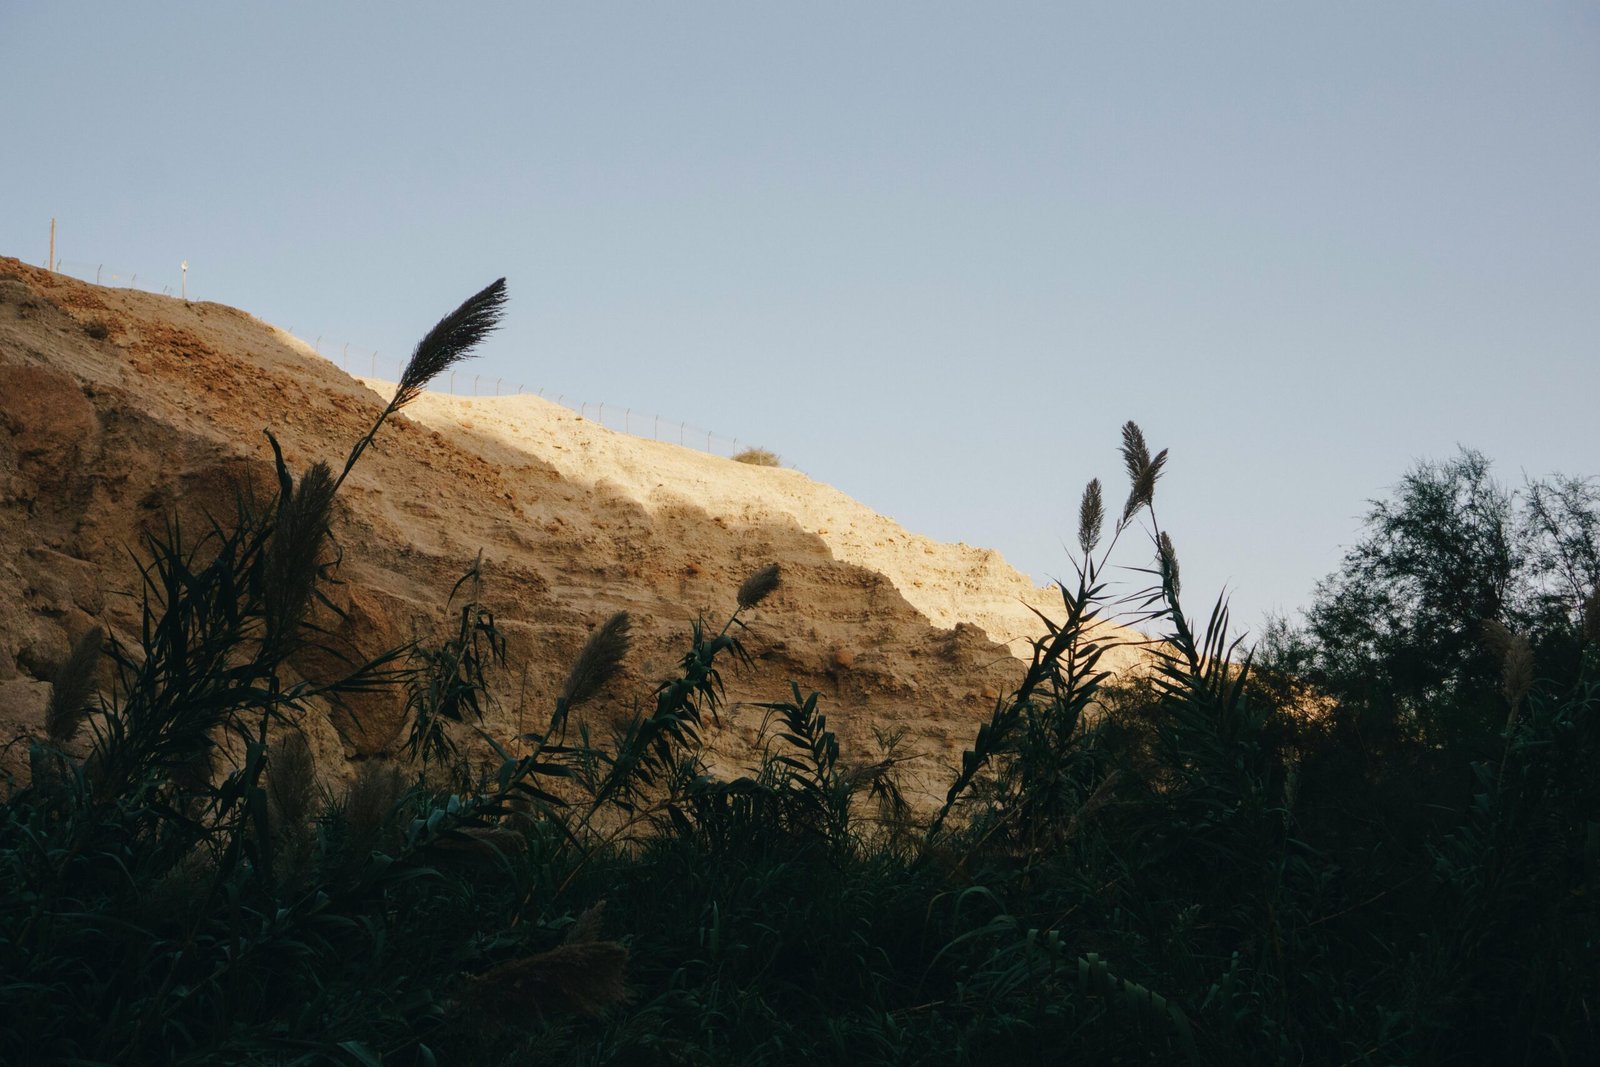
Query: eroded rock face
[
  {"x": 122, "y": 410},
  {"x": 361, "y": 625}
]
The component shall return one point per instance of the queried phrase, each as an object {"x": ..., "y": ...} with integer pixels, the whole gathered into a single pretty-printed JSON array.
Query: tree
[
  {"x": 1397, "y": 633},
  {"x": 1560, "y": 532},
  {"x": 1397, "y": 627}
]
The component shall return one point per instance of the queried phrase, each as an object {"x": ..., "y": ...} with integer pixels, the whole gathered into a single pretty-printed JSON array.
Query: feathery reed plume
[
  {"x": 291, "y": 779},
  {"x": 1169, "y": 562},
  {"x": 1497, "y": 637},
  {"x": 371, "y": 800},
  {"x": 583, "y": 978},
  {"x": 759, "y": 586},
  {"x": 597, "y": 664},
  {"x": 1135, "y": 454},
  {"x": 449, "y": 342},
  {"x": 1516, "y": 663},
  {"x": 1091, "y": 517},
  {"x": 296, "y": 550},
  {"x": 1142, "y": 470},
  {"x": 72, "y": 687},
  {"x": 586, "y": 928}
]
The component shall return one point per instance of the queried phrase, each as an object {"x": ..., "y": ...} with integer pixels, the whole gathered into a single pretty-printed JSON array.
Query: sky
[{"x": 932, "y": 254}]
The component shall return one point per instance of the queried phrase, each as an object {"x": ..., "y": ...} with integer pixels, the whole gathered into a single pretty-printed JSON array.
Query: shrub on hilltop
[{"x": 757, "y": 457}]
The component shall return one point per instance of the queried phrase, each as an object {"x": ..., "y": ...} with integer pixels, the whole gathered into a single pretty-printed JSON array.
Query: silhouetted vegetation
[{"x": 1378, "y": 844}]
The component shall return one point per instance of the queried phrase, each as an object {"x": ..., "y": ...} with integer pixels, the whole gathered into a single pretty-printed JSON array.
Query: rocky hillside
[{"x": 121, "y": 408}]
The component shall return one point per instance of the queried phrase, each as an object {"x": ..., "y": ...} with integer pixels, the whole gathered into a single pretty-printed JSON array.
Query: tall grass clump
[{"x": 757, "y": 457}]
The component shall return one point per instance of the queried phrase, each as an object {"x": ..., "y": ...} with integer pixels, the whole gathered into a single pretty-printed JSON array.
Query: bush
[
  {"x": 97, "y": 329},
  {"x": 1398, "y": 632},
  {"x": 757, "y": 457}
]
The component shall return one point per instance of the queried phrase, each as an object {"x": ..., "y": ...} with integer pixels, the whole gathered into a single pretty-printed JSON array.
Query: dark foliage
[{"x": 1205, "y": 861}]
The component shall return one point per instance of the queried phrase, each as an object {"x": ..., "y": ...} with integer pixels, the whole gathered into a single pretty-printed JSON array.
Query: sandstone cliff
[{"x": 119, "y": 408}]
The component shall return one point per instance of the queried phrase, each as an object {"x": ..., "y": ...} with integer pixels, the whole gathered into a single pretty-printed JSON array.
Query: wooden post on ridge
[{"x": 51, "y": 265}]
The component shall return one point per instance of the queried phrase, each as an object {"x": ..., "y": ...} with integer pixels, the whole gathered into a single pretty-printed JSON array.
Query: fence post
[
  {"x": 50, "y": 264},
  {"x": 475, "y": 378},
  {"x": 97, "y": 271},
  {"x": 681, "y": 427},
  {"x": 374, "y": 373},
  {"x": 344, "y": 357},
  {"x": 601, "y": 418},
  {"x": 708, "y": 440},
  {"x": 627, "y": 420},
  {"x": 497, "y": 382},
  {"x": 452, "y": 383},
  {"x": 655, "y": 435}
]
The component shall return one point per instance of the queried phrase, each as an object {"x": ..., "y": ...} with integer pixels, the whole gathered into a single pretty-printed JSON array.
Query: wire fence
[
  {"x": 466, "y": 383},
  {"x": 369, "y": 363},
  {"x": 119, "y": 277}
]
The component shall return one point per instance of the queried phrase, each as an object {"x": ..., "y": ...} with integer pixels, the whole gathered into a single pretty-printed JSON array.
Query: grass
[
  {"x": 1194, "y": 864},
  {"x": 757, "y": 457}
]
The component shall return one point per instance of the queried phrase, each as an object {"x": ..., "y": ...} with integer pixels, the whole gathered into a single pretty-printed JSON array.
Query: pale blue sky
[{"x": 933, "y": 254}]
